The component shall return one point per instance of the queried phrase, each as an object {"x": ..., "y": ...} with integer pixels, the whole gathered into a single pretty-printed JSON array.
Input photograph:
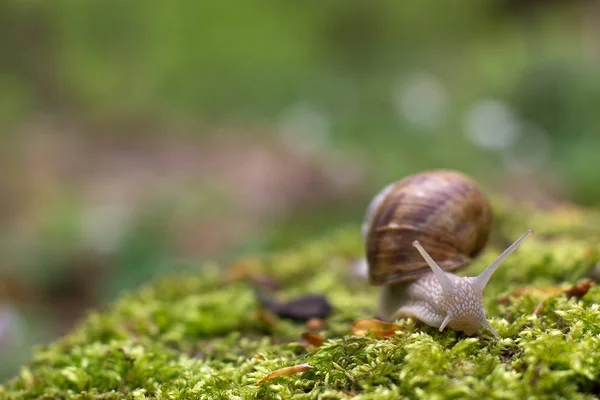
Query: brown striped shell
[{"x": 446, "y": 211}]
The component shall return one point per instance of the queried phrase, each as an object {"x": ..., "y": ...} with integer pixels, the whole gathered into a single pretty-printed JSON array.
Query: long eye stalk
[
  {"x": 441, "y": 276},
  {"x": 483, "y": 278}
]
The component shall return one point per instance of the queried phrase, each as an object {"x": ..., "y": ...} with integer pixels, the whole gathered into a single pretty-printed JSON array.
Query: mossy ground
[{"x": 198, "y": 335}]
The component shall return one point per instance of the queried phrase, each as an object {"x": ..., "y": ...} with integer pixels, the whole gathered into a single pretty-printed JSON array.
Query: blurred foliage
[{"x": 131, "y": 63}]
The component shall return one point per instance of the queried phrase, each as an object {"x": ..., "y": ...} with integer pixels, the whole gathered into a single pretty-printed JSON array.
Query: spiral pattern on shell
[{"x": 446, "y": 211}]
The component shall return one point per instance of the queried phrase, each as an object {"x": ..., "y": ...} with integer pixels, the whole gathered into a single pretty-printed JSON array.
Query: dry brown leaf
[
  {"x": 518, "y": 292},
  {"x": 579, "y": 290},
  {"x": 299, "y": 309},
  {"x": 313, "y": 339},
  {"x": 376, "y": 327},
  {"x": 315, "y": 324},
  {"x": 286, "y": 371},
  {"x": 267, "y": 318},
  {"x": 242, "y": 270}
]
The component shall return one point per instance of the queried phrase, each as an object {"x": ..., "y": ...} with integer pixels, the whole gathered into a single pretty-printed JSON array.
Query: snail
[{"x": 418, "y": 229}]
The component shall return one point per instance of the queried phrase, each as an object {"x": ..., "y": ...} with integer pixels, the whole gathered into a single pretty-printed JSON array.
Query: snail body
[{"x": 435, "y": 215}]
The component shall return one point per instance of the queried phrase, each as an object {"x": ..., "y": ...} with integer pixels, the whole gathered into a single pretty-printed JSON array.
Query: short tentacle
[
  {"x": 446, "y": 321},
  {"x": 490, "y": 327}
]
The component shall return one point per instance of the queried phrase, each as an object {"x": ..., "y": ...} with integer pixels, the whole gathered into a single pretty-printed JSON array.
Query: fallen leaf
[
  {"x": 376, "y": 327},
  {"x": 242, "y": 270},
  {"x": 579, "y": 290},
  {"x": 248, "y": 270},
  {"x": 518, "y": 292},
  {"x": 315, "y": 324},
  {"x": 299, "y": 309},
  {"x": 313, "y": 339},
  {"x": 286, "y": 371},
  {"x": 267, "y": 318}
]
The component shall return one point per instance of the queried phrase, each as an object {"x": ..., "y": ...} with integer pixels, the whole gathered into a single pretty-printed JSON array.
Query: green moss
[{"x": 197, "y": 335}]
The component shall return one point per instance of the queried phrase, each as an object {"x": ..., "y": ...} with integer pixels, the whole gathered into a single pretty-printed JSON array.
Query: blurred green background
[{"x": 140, "y": 138}]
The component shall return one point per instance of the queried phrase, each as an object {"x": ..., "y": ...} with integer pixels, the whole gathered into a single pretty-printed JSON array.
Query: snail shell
[{"x": 446, "y": 211}]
